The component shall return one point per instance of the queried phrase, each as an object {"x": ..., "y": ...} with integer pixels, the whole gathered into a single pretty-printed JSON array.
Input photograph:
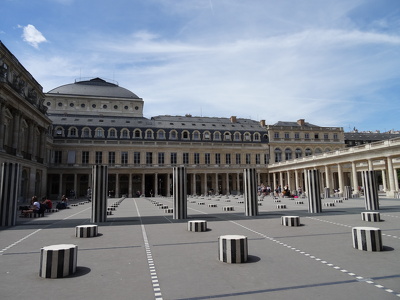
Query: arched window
[
  {"x": 328, "y": 150},
  {"x": 112, "y": 133},
  {"x": 196, "y": 135},
  {"x": 125, "y": 133},
  {"x": 299, "y": 153},
  {"x": 185, "y": 135},
  {"x": 173, "y": 135},
  {"x": 318, "y": 151},
  {"x": 149, "y": 134},
  {"x": 217, "y": 136},
  {"x": 206, "y": 135},
  {"x": 59, "y": 131},
  {"x": 288, "y": 154},
  {"x": 236, "y": 137},
  {"x": 137, "y": 134},
  {"x": 308, "y": 152},
  {"x": 227, "y": 136},
  {"x": 257, "y": 137},
  {"x": 86, "y": 132},
  {"x": 278, "y": 154},
  {"x": 73, "y": 132},
  {"x": 247, "y": 137},
  {"x": 161, "y": 134},
  {"x": 99, "y": 133}
]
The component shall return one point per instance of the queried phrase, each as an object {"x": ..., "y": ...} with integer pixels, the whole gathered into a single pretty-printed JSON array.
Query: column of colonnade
[{"x": 2, "y": 126}]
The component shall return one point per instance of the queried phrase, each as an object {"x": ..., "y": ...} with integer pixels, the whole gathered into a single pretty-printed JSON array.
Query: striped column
[
  {"x": 290, "y": 221},
  {"x": 197, "y": 225},
  {"x": 180, "y": 193},
  {"x": 313, "y": 192},
  {"x": 371, "y": 216},
  {"x": 86, "y": 231},
  {"x": 99, "y": 193},
  {"x": 9, "y": 188},
  {"x": 232, "y": 249},
  {"x": 327, "y": 193},
  {"x": 250, "y": 192},
  {"x": 367, "y": 238},
  {"x": 58, "y": 261},
  {"x": 370, "y": 190},
  {"x": 347, "y": 192}
]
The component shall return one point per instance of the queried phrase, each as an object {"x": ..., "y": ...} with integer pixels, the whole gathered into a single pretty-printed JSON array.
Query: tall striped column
[
  {"x": 9, "y": 187},
  {"x": 250, "y": 192},
  {"x": 370, "y": 190},
  {"x": 347, "y": 192},
  {"x": 99, "y": 193},
  {"x": 313, "y": 192},
  {"x": 180, "y": 193}
]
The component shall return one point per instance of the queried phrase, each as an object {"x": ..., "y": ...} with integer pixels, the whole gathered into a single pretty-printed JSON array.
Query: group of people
[
  {"x": 36, "y": 206},
  {"x": 278, "y": 191}
]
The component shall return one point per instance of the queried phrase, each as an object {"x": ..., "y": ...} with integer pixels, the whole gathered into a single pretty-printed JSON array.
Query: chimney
[
  {"x": 233, "y": 119},
  {"x": 262, "y": 123},
  {"x": 300, "y": 122}
]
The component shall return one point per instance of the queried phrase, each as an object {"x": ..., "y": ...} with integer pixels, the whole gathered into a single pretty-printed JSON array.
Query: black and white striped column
[
  {"x": 180, "y": 193},
  {"x": 367, "y": 238},
  {"x": 86, "y": 231},
  {"x": 9, "y": 187},
  {"x": 99, "y": 193},
  {"x": 197, "y": 225},
  {"x": 370, "y": 190},
  {"x": 313, "y": 191},
  {"x": 250, "y": 192},
  {"x": 232, "y": 249},
  {"x": 58, "y": 261},
  {"x": 293, "y": 221}
]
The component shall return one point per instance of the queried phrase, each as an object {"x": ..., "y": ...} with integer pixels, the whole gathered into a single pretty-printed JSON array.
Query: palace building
[{"x": 58, "y": 136}]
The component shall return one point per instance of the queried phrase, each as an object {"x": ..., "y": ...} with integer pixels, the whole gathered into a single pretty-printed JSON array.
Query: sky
[{"x": 334, "y": 63}]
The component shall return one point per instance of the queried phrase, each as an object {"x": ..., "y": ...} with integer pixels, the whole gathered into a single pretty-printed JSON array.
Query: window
[
  {"x": 278, "y": 154},
  {"x": 59, "y": 131},
  {"x": 308, "y": 152},
  {"x": 149, "y": 158},
  {"x": 298, "y": 153},
  {"x": 85, "y": 157},
  {"x": 99, "y": 157},
  {"x": 228, "y": 158},
  {"x": 113, "y": 133},
  {"x": 227, "y": 136},
  {"x": 196, "y": 136},
  {"x": 288, "y": 154},
  {"x": 124, "y": 158},
  {"x": 206, "y": 135},
  {"x": 266, "y": 159},
  {"x": 335, "y": 136},
  {"x": 161, "y": 135},
  {"x": 306, "y": 135},
  {"x": 207, "y": 159},
  {"x": 326, "y": 136},
  {"x": 86, "y": 132},
  {"x": 318, "y": 151},
  {"x": 248, "y": 158},
  {"x": 136, "y": 158},
  {"x": 72, "y": 132},
  {"x": 287, "y": 136},
  {"x": 236, "y": 136},
  {"x": 173, "y": 158},
  {"x": 125, "y": 133},
  {"x": 137, "y": 134},
  {"x": 316, "y": 136},
  {"x": 238, "y": 159},
  {"x": 197, "y": 158},
  {"x": 217, "y": 158},
  {"x": 185, "y": 158},
  {"x": 258, "y": 159},
  {"x": 217, "y": 136},
  {"x": 276, "y": 135},
  {"x": 296, "y": 135},
  {"x": 111, "y": 158},
  {"x": 185, "y": 135},
  {"x": 161, "y": 158},
  {"x": 257, "y": 137},
  {"x": 173, "y": 135},
  {"x": 57, "y": 157},
  {"x": 99, "y": 132},
  {"x": 247, "y": 137},
  {"x": 149, "y": 134}
]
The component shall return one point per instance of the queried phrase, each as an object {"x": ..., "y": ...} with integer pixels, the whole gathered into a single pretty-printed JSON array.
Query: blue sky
[{"x": 331, "y": 62}]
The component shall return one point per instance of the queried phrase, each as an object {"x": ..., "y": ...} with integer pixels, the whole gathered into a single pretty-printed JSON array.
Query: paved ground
[{"x": 313, "y": 261}]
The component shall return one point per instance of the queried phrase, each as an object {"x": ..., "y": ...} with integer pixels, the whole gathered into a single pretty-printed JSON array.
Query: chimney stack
[
  {"x": 300, "y": 122},
  {"x": 262, "y": 123},
  {"x": 233, "y": 119}
]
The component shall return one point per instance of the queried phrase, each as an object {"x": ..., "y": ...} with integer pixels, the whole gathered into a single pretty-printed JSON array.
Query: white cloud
[{"x": 32, "y": 36}]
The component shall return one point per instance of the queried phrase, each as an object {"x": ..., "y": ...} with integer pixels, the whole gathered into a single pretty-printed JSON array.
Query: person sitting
[
  {"x": 34, "y": 208},
  {"x": 47, "y": 203}
]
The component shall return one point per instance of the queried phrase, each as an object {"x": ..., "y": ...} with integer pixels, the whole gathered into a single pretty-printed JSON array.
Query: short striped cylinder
[
  {"x": 370, "y": 190},
  {"x": 299, "y": 202},
  {"x": 259, "y": 203},
  {"x": 227, "y": 200},
  {"x": 290, "y": 221},
  {"x": 212, "y": 205},
  {"x": 197, "y": 225},
  {"x": 163, "y": 207},
  {"x": 169, "y": 210},
  {"x": 232, "y": 249},
  {"x": 81, "y": 203},
  {"x": 58, "y": 261},
  {"x": 52, "y": 210},
  {"x": 86, "y": 231},
  {"x": 277, "y": 200},
  {"x": 74, "y": 204},
  {"x": 110, "y": 208},
  {"x": 367, "y": 239},
  {"x": 240, "y": 201},
  {"x": 200, "y": 203},
  {"x": 281, "y": 206},
  {"x": 371, "y": 216},
  {"x": 228, "y": 208},
  {"x": 329, "y": 204},
  {"x": 338, "y": 201},
  {"x": 313, "y": 191},
  {"x": 250, "y": 192},
  {"x": 109, "y": 212},
  {"x": 9, "y": 189},
  {"x": 179, "y": 177}
]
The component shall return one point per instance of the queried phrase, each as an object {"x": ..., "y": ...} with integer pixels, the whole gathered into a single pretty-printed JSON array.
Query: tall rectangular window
[
  {"x": 238, "y": 159},
  {"x": 207, "y": 159},
  {"x": 286, "y": 135},
  {"x": 136, "y": 158},
  {"x": 335, "y": 136},
  {"x": 85, "y": 157},
  {"x": 276, "y": 135},
  {"x": 296, "y": 135},
  {"x": 99, "y": 157},
  {"x": 161, "y": 158},
  {"x": 57, "y": 157},
  {"x": 217, "y": 158},
  {"x": 306, "y": 135},
  {"x": 228, "y": 158},
  {"x": 197, "y": 158},
  {"x": 149, "y": 158},
  {"x": 111, "y": 158},
  {"x": 248, "y": 158},
  {"x": 124, "y": 158},
  {"x": 173, "y": 158},
  {"x": 258, "y": 159},
  {"x": 185, "y": 158},
  {"x": 326, "y": 136}
]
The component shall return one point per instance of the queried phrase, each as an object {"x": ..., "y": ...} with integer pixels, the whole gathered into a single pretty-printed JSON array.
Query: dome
[{"x": 96, "y": 87}]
